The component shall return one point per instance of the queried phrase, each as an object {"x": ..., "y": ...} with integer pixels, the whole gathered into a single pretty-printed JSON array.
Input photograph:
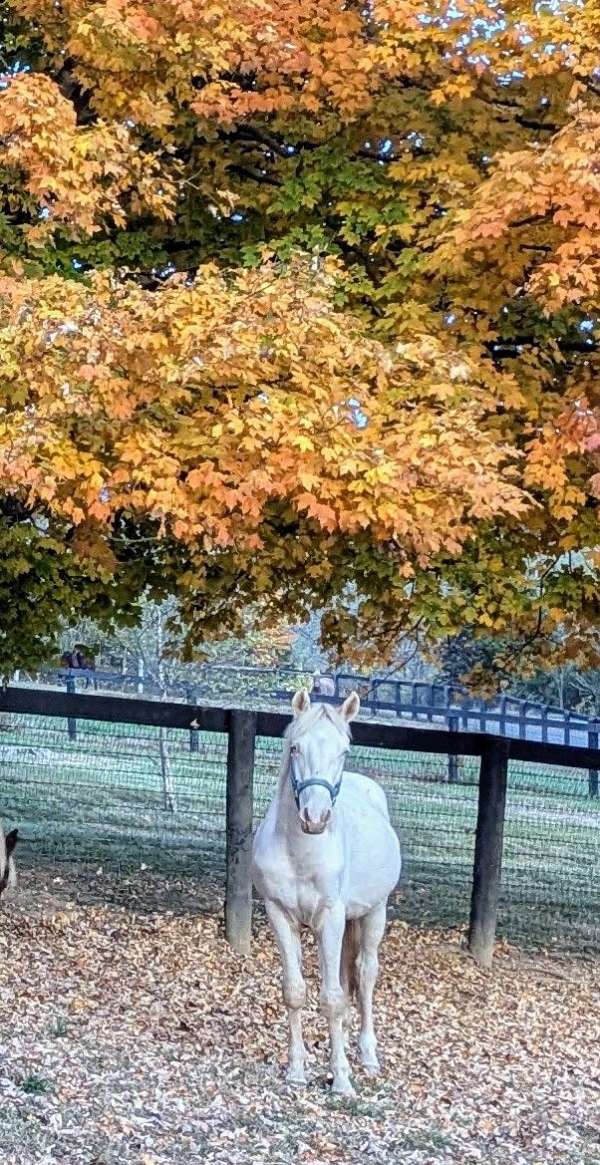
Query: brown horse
[{"x": 8, "y": 870}]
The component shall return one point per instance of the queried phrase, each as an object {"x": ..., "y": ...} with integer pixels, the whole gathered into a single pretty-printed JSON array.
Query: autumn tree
[{"x": 298, "y": 308}]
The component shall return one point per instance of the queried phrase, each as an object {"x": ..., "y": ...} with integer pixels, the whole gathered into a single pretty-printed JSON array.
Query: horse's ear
[
  {"x": 351, "y": 707},
  {"x": 301, "y": 702},
  {"x": 10, "y": 841}
]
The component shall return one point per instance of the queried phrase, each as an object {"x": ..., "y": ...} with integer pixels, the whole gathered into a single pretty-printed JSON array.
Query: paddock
[
  {"x": 133, "y": 1034},
  {"x": 98, "y": 801}
]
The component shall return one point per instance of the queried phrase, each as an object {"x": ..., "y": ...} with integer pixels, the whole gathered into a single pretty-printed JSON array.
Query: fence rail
[
  {"x": 403, "y": 699},
  {"x": 243, "y": 727},
  {"x": 440, "y": 704}
]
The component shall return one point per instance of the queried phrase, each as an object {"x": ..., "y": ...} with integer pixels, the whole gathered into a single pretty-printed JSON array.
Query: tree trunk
[
  {"x": 169, "y": 795},
  {"x": 168, "y": 784}
]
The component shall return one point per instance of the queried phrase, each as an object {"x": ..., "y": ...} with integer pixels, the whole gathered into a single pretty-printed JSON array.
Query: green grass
[
  {"x": 36, "y": 1085},
  {"x": 59, "y": 1029},
  {"x": 99, "y": 798}
]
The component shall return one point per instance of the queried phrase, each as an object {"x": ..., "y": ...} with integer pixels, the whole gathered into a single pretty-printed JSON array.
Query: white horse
[
  {"x": 8, "y": 871},
  {"x": 327, "y": 857}
]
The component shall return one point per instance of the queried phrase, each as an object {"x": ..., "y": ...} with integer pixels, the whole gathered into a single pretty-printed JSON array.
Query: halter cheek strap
[{"x": 299, "y": 786}]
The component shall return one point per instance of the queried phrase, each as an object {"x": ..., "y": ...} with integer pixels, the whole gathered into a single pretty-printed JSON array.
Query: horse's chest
[
  {"x": 313, "y": 896},
  {"x": 306, "y": 900},
  {"x": 302, "y": 891}
]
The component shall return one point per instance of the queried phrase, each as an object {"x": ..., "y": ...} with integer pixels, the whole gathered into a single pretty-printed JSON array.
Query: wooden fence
[
  {"x": 243, "y": 726},
  {"x": 446, "y": 705}
]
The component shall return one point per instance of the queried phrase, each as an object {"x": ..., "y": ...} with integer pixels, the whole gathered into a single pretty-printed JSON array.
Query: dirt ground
[{"x": 130, "y": 1034}]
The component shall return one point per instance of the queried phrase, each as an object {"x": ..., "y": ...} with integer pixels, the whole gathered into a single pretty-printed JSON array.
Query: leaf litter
[{"x": 130, "y": 1037}]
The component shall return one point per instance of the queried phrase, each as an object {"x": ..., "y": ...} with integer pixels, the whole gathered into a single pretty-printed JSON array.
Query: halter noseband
[{"x": 299, "y": 786}]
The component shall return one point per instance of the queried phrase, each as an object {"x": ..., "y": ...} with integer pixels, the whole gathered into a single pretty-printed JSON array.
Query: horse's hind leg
[
  {"x": 348, "y": 973},
  {"x": 287, "y": 938},
  {"x": 371, "y": 933},
  {"x": 347, "y": 1017}
]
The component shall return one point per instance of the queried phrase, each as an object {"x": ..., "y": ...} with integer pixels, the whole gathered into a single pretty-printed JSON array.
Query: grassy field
[{"x": 100, "y": 799}]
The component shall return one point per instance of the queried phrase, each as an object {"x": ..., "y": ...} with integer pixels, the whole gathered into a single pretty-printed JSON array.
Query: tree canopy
[{"x": 298, "y": 310}]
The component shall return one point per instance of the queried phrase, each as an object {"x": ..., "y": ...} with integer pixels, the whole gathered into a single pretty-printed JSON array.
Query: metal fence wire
[{"x": 125, "y": 796}]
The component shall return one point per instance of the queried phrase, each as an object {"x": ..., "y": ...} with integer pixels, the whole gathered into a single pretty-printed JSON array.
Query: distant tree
[
  {"x": 306, "y": 650},
  {"x": 567, "y": 686},
  {"x": 465, "y": 659},
  {"x": 157, "y": 646}
]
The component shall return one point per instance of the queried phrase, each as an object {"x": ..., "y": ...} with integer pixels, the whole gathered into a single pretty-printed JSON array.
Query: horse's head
[
  {"x": 319, "y": 739},
  {"x": 8, "y": 872}
]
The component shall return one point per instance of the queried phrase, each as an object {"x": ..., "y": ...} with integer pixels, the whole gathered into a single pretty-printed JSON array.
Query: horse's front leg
[
  {"x": 330, "y": 934},
  {"x": 287, "y": 938}
]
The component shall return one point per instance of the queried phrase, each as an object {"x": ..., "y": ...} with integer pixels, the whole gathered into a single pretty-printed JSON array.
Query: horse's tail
[{"x": 350, "y": 949}]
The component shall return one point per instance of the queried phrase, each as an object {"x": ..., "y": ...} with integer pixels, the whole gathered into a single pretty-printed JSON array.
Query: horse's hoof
[
  {"x": 343, "y": 1088},
  {"x": 296, "y": 1076},
  {"x": 368, "y": 1056}
]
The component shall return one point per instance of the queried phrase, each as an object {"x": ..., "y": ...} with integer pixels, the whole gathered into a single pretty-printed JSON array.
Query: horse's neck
[{"x": 284, "y": 805}]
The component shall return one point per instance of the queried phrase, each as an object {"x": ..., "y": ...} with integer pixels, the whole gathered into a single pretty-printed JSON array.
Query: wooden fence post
[
  {"x": 452, "y": 758},
  {"x": 544, "y": 718},
  {"x": 71, "y": 723},
  {"x": 487, "y": 864},
  {"x": 240, "y": 775},
  {"x": 190, "y": 696},
  {"x": 593, "y": 773}
]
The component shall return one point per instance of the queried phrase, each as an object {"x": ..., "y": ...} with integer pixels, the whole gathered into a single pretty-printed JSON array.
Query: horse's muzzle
[{"x": 313, "y": 827}]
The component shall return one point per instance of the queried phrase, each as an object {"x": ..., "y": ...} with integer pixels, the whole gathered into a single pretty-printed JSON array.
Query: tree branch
[
  {"x": 531, "y": 123},
  {"x": 528, "y": 122},
  {"x": 80, "y": 97},
  {"x": 595, "y": 89},
  {"x": 254, "y": 133},
  {"x": 256, "y": 175},
  {"x": 505, "y": 349},
  {"x": 533, "y": 220}
]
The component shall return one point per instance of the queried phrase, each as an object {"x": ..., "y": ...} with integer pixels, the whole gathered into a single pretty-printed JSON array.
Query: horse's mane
[{"x": 306, "y": 720}]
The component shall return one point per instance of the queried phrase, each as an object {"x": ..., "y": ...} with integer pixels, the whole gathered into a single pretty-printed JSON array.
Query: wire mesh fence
[
  {"x": 126, "y": 797},
  {"x": 387, "y": 699}
]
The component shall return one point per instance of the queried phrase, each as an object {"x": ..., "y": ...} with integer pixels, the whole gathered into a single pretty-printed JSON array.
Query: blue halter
[{"x": 298, "y": 786}]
